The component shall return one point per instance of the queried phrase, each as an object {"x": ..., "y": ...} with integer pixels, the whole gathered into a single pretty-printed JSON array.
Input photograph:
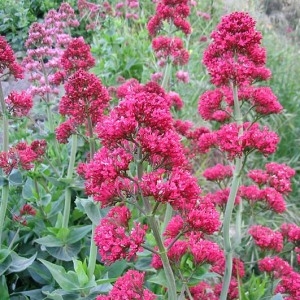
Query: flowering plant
[{"x": 118, "y": 192}]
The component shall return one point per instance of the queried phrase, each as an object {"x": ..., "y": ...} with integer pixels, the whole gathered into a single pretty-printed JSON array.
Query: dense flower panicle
[
  {"x": 174, "y": 11},
  {"x": 8, "y": 63},
  {"x": 235, "y": 53},
  {"x": 65, "y": 130},
  {"x": 264, "y": 140},
  {"x": 260, "y": 177},
  {"x": 22, "y": 156},
  {"x": 210, "y": 106},
  {"x": 251, "y": 193},
  {"x": 19, "y": 104},
  {"x": 85, "y": 97},
  {"x": 291, "y": 232},
  {"x": 129, "y": 286},
  {"x": 77, "y": 56},
  {"x": 264, "y": 101},
  {"x": 112, "y": 239},
  {"x": 274, "y": 200},
  {"x": 220, "y": 197},
  {"x": 275, "y": 265},
  {"x": 183, "y": 127},
  {"x": 205, "y": 251},
  {"x": 266, "y": 238},
  {"x": 45, "y": 45},
  {"x": 101, "y": 173},
  {"x": 218, "y": 172},
  {"x": 204, "y": 217},
  {"x": 174, "y": 227},
  {"x": 280, "y": 176},
  {"x": 172, "y": 48},
  {"x": 289, "y": 285},
  {"x": 180, "y": 188}
]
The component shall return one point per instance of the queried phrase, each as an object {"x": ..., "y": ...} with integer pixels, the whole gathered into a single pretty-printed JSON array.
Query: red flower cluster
[
  {"x": 175, "y": 11},
  {"x": 273, "y": 183},
  {"x": 19, "y": 104},
  {"x": 167, "y": 48},
  {"x": 228, "y": 140},
  {"x": 22, "y": 156},
  {"x": 26, "y": 210},
  {"x": 266, "y": 238},
  {"x": 8, "y": 63},
  {"x": 235, "y": 54},
  {"x": 129, "y": 286},
  {"x": 289, "y": 279},
  {"x": 112, "y": 239},
  {"x": 77, "y": 56},
  {"x": 85, "y": 97}
]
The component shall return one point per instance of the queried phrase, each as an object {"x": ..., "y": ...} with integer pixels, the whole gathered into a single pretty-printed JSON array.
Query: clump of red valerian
[
  {"x": 45, "y": 45},
  {"x": 114, "y": 238},
  {"x": 129, "y": 286},
  {"x": 19, "y": 104},
  {"x": 22, "y": 156},
  {"x": 174, "y": 11},
  {"x": 8, "y": 63}
]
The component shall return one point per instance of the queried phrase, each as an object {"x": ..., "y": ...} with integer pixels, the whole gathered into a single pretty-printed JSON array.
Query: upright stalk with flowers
[{"x": 235, "y": 60}]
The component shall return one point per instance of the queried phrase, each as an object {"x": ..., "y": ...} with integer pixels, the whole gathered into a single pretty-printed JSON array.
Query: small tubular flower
[{"x": 19, "y": 104}]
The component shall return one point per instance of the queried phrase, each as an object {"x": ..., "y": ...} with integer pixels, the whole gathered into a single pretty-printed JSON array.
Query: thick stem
[
  {"x": 68, "y": 191},
  {"x": 5, "y": 187},
  {"x": 230, "y": 204}
]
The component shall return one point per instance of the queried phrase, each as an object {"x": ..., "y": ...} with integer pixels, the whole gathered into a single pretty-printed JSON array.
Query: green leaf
[
  {"x": 40, "y": 273},
  {"x": 66, "y": 253},
  {"x": 19, "y": 263},
  {"x": 27, "y": 189},
  {"x": 5, "y": 260},
  {"x": 77, "y": 233},
  {"x": 3, "y": 289},
  {"x": 50, "y": 241},
  {"x": 15, "y": 178},
  {"x": 117, "y": 268},
  {"x": 92, "y": 210},
  {"x": 159, "y": 278},
  {"x": 67, "y": 281},
  {"x": 83, "y": 279}
]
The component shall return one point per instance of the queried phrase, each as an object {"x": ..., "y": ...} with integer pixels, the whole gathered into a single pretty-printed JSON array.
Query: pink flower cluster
[
  {"x": 229, "y": 141},
  {"x": 45, "y": 45},
  {"x": 266, "y": 238},
  {"x": 217, "y": 105},
  {"x": 127, "y": 9},
  {"x": 22, "y": 156},
  {"x": 8, "y": 63},
  {"x": 19, "y": 104},
  {"x": 175, "y": 11},
  {"x": 289, "y": 283},
  {"x": 272, "y": 184},
  {"x": 113, "y": 238},
  {"x": 235, "y": 55},
  {"x": 129, "y": 286},
  {"x": 170, "y": 48}
]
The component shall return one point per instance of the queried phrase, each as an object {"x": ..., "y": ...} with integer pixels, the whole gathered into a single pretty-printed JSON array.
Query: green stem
[
  {"x": 92, "y": 255},
  {"x": 167, "y": 75},
  {"x": 68, "y": 191},
  {"x": 230, "y": 204},
  {"x": 172, "y": 294},
  {"x": 5, "y": 187},
  {"x": 93, "y": 247}
]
